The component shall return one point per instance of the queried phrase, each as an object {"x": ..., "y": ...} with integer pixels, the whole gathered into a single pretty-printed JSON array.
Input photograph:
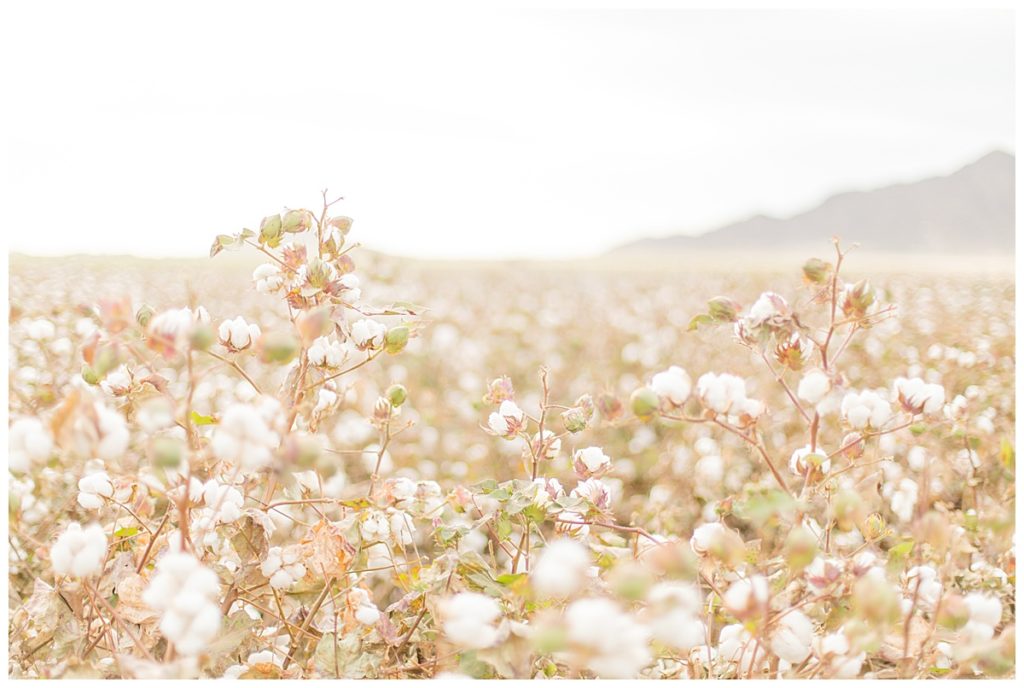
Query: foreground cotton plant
[{"x": 802, "y": 489}]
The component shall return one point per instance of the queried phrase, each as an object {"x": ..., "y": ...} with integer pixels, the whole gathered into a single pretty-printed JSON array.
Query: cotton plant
[{"x": 789, "y": 487}]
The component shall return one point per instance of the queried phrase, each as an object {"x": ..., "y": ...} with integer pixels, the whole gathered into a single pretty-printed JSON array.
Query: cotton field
[{"x": 296, "y": 459}]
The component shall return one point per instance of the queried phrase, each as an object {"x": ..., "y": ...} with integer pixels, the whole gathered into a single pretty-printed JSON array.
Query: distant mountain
[{"x": 969, "y": 211}]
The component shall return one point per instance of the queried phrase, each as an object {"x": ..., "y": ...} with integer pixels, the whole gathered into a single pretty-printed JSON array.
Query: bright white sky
[{"x": 476, "y": 133}]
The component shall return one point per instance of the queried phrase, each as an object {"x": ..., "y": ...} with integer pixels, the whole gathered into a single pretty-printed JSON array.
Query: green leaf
[
  {"x": 508, "y": 579},
  {"x": 698, "y": 320},
  {"x": 126, "y": 532},
  {"x": 1007, "y": 454},
  {"x": 200, "y": 419}
]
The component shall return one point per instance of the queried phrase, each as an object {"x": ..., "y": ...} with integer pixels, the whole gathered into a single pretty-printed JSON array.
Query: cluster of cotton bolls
[{"x": 186, "y": 594}]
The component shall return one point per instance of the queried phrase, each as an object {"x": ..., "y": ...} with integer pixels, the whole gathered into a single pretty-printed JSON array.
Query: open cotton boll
[
  {"x": 723, "y": 393},
  {"x": 267, "y": 278},
  {"x": 805, "y": 459},
  {"x": 865, "y": 409},
  {"x": 238, "y": 334},
  {"x": 114, "y": 435},
  {"x": 227, "y": 500},
  {"x": 792, "y": 637},
  {"x": 675, "y": 622},
  {"x": 613, "y": 643},
  {"x": 813, "y": 387},
  {"x": 368, "y": 334},
  {"x": 590, "y": 462},
  {"x": 243, "y": 438},
  {"x": 672, "y": 386},
  {"x": 561, "y": 570},
  {"x": 28, "y": 442},
  {"x": 469, "y": 620},
  {"x": 282, "y": 566},
  {"x": 736, "y": 644},
  {"x": 326, "y": 353},
  {"x": 917, "y": 396},
  {"x": 834, "y": 651},
  {"x": 985, "y": 613},
  {"x": 508, "y": 420},
  {"x": 186, "y": 593},
  {"x": 923, "y": 583},
  {"x": 746, "y": 596},
  {"x": 93, "y": 488},
  {"x": 78, "y": 551}
]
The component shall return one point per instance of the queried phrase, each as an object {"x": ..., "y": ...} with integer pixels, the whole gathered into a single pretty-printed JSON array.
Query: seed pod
[
  {"x": 817, "y": 271},
  {"x": 644, "y": 403},
  {"x": 396, "y": 339},
  {"x": 396, "y": 394}
]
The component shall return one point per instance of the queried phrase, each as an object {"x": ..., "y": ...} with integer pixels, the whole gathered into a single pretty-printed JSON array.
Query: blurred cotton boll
[
  {"x": 613, "y": 643},
  {"x": 469, "y": 620},
  {"x": 561, "y": 569},
  {"x": 28, "y": 442},
  {"x": 243, "y": 438}
]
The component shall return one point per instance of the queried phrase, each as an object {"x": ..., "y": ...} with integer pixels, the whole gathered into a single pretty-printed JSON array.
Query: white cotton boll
[
  {"x": 705, "y": 536},
  {"x": 378, "y": 556},
  {"x": 675, "y": 623},
  {"x": 326, "y": 353},
  {"x": 865, "y": 409},
  {"x": 736, "y": 644},
  {"x": 904, "y": 499},
  {"x": 813, "y": 387},
  {"x": 282, "y": 567},
  {"x": 709, "y": 470},
  {"x": 368, "y": 334},
  {"x": 594, "y": 491},
  {"x": 805, "y": 458},
  {"x": 402, "y": 527},
  {"x": 350, "y": 283},
  {"x": 746, "y": 595},
  {"x": 835, "y": 648},
  {"x": 924, "y": 580},
  {"x": 375, "y": 526},
  {"x": 229, "y": 499},
  {"x": 615, "y": 644},
  {"x": 792, "y": 638},
  {"x": 237, "y": 334},
  {"x": 508, "y": 420},
  {"x": 325, "y": 400},
  {"x": 984, "y": 609},
  {"x": 93, "y": 488},
  {"x": 672, "y": 386},
  {"x": 561, "y": 570},
  {"x": 40, "y": 329},
  {"x": 114, "y": 434},
  {"x": 243, "y": 438},
  {"x": 368, "y": 615},
  {"x": 723, "y": 393},
  {"x": 916, "y": 396},
  {"x": 267, "y": 278},
  {"x": 117, "y": 382},
  {"x": 469, "y": 620},
  {"x": 371, "y": 455},
  {"x": 590, "y": 461},
  {"x": 78, "y": 551},
  {"x": 678, "y": 630},
  {"x": 768, "y": 305},
  {"x": 28, "y": 442},
  {"x": 705, "y": 446}
]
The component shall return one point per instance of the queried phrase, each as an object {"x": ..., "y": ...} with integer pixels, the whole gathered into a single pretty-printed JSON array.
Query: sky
[{"x": 476, "y": 132}]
